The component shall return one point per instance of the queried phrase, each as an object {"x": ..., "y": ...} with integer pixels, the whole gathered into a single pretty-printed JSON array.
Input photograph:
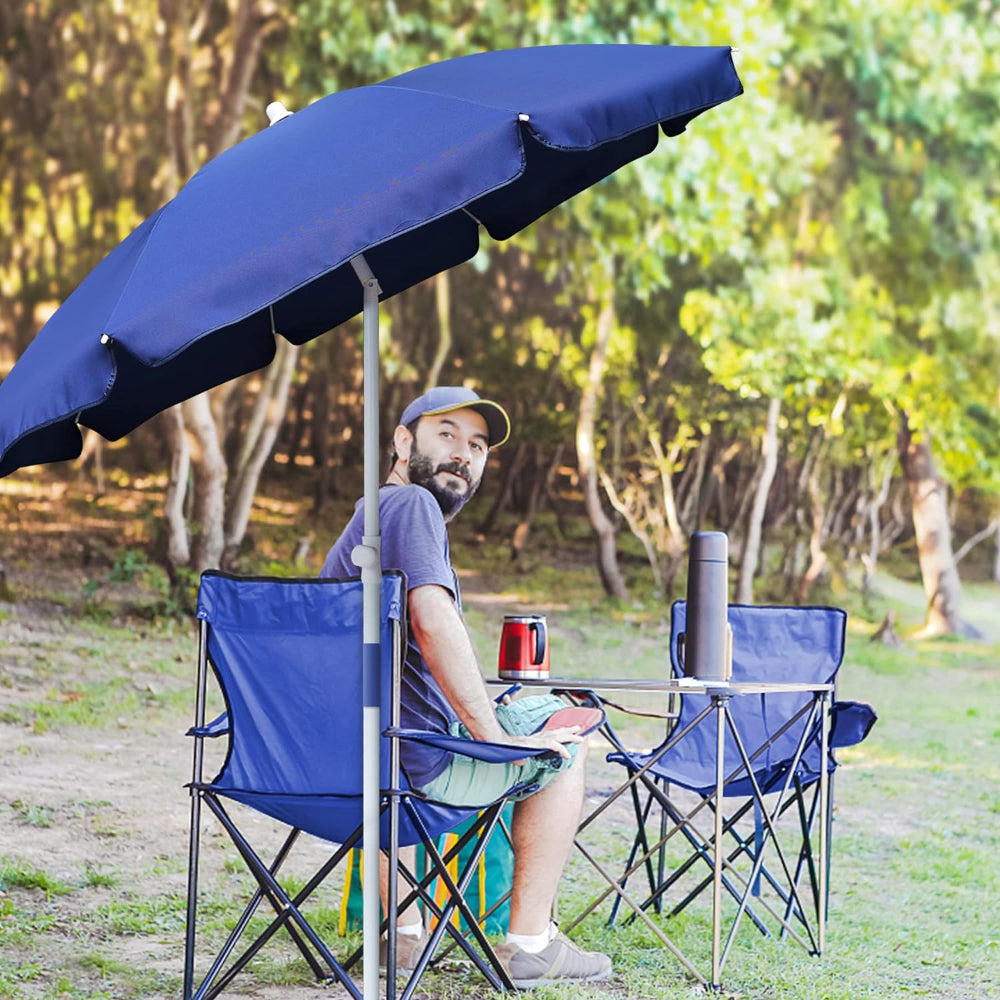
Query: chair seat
[{"x": 335, "y": 818}]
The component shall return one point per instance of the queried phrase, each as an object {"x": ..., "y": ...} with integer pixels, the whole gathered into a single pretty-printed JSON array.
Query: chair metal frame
[
  {"x": 723, "y": 871},
  {"x": 770, "y": 790}
]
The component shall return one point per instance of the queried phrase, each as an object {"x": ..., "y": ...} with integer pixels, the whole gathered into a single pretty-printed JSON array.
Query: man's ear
[{"x": 402, "y": 442}]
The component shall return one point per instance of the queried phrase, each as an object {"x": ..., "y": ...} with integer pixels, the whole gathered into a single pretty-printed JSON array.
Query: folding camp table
[{"x": 720, "y": 695}]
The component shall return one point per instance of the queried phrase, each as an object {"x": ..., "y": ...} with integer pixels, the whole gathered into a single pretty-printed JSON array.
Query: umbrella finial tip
[{"x": 275, "y": 111}]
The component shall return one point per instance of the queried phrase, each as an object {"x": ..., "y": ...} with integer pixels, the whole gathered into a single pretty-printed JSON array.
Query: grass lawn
[{"x": 93, "y": 815}]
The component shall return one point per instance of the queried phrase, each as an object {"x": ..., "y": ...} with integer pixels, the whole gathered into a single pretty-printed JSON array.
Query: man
[{"x": 440, "y": 451}]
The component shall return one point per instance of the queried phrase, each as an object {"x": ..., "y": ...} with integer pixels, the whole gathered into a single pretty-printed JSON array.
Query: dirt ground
[
  {"x": 113, "y": 802},
  {"x": 100, "y": 798}
]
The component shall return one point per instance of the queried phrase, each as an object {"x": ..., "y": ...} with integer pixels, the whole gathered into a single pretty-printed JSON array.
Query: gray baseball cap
[{"x": 443, "y": 398}]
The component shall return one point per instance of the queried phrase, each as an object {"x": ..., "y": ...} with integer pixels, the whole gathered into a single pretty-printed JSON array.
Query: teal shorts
[{"x": 470, "y": 782}]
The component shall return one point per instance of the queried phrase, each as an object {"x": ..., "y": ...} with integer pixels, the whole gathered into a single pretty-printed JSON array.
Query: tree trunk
[
  {"x": 877, "y": 502},
  {"x": 817, "y": 536},
  {"x": 519, "y": 539},
  {"x": 209, "y": 468},
  {"x": 752, "y": 541},
  {"x": 320, "y": 439},
  {"x": 300, "y": 411},
  {"x": 93, "y": 448},
  {"x": 929, "y": 498},
  {"x": 442, "y": 299},
  {"x": 540, "y": 484},
  {"x": 178, "y": 539},
  {"x": 692, "y": 486},
  {"x": 192, "y": 432},
  {"x": 980, "y": 536},
  {"x": 604, "y": 529},
  {"x": 258, "y": 440},
  {"x": 655, "y": 559},
  {"x": 716, "y": 491},
  {"x": 510, "y": 470},
  {"x": 747, "y": 481},
  {"x": 673, "y": 544}
]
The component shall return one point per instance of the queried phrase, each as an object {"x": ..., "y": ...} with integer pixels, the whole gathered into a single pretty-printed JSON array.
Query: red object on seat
[{"x": 588, "y": 719}]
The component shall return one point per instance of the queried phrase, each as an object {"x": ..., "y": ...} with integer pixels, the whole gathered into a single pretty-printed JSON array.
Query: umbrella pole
[{"x": 368, "y": 557}]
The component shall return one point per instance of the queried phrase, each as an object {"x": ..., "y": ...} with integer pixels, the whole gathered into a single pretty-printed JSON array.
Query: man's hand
[{"x": 547, "y": 739}]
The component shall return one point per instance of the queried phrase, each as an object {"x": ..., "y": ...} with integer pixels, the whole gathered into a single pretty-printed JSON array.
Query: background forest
[{"x": 784, "y": 324}]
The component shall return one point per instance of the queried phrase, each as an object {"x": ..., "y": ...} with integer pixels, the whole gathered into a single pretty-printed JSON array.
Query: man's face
[{"x": 448, "y": 455}]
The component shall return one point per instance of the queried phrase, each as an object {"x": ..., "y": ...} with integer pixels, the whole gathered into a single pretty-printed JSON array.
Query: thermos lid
[
  {"x": 523, "y": 618},
  {"x": 710, "y": 546}
]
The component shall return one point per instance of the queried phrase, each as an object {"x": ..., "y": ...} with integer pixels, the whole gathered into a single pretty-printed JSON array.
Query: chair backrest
[
  {"x": 287, "y": 656},
  {"x": 770, "y": 643}
]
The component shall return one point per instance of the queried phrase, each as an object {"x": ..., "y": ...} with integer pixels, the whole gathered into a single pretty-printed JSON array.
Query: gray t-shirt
[{"x": 414, "y": 540}]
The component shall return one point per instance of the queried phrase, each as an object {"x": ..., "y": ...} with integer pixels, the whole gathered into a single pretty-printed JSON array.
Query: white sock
[
  {"x": 533, "y": 943},
  {"x": 411, "y": 930}
]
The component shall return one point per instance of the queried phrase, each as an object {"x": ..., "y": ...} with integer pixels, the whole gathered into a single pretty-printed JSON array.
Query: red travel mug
[{"x": 524, "y": 648}]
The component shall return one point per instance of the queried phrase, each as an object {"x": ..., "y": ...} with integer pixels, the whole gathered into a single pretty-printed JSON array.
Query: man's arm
[{"x": 447, "y": 650}]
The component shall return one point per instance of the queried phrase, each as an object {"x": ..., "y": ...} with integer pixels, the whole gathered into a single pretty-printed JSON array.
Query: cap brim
[{"x": 497, "y": 421}]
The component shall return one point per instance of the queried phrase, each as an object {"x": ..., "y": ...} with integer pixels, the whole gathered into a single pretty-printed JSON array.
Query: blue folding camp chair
[
  {"x": 773, "y": 754},
  {"x": 287, "y": 657}
]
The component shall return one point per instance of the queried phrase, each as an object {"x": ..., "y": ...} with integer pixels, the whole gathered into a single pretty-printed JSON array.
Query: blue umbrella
[{"x": 301, "y": 226}]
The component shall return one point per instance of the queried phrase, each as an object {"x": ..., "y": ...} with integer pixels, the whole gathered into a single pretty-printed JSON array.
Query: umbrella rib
[{"x": 156, "y": 217}]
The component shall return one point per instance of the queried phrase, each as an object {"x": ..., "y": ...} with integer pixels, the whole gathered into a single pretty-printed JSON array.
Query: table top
[{"x": 669, "y": 685}]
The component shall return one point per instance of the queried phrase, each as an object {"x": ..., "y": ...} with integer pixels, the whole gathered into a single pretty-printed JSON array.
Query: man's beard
[{"x": 422, "y": 472}]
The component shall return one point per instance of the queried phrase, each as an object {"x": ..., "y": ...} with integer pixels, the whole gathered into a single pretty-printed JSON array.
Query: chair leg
[
  {"x": 829, "y": 843},
  {"x": 702, "y": 851},
  {"x": 242, "y": 923},
  {"x": 639, "y": 842},
  {"x": 806, "y": 816},
  {"x": 492, "y": 968},
  {"x": 480, "y": 832},
  {"x": 287, "y": 911},
  {"x": 769, "y": 817},
  {"x": 192, "y": 893},
  {"x": 452, "y": 945}
]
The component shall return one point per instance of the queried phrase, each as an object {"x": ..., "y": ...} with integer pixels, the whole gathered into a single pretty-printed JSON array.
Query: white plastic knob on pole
[
  {"x": 368, "y": 558},
  {"x": 275, "y": 112}
]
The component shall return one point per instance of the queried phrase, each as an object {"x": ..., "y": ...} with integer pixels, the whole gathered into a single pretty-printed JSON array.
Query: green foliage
[
  {"x": 32, "y": 815},
  {"x": 129, "y": 564},
  {"x": 95, "y": 878},
  {"x": 831, "y": 235},
  {"x": 14, "y": 875}
]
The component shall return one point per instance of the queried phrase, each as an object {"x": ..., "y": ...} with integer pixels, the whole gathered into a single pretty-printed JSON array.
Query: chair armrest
[
  {"x": 485, "y": 750},
  {"x": 219, "y": 726},
  {"x": 850, "y": 723}
]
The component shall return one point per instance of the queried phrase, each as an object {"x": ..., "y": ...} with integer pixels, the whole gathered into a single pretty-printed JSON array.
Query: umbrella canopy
[
  {"x": 260, "y": 240},
  {"x": 300, "y": 227}
]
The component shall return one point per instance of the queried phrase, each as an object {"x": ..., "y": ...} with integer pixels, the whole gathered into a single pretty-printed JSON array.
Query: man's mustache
[{"x": 456, "y": 469}]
